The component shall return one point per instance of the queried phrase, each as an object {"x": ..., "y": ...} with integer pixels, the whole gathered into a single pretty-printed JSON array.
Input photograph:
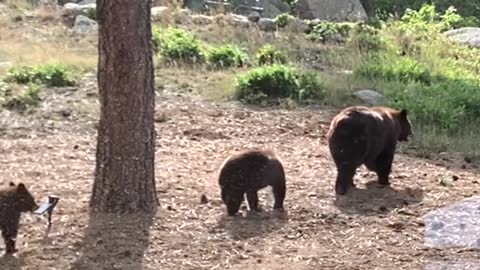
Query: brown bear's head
[
  {"x": 23, "y": 198},
  {"x": 405, "y": 126}
]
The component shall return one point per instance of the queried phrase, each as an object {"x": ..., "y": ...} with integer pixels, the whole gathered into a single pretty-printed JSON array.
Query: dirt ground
[{"x": 53, "y": 151}]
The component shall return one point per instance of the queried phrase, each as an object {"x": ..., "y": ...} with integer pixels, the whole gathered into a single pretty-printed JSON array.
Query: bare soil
[{"x": 52, "y": 150}]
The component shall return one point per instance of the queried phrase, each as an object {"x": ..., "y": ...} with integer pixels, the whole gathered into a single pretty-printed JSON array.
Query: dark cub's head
[
  {"x": 24, "y": 201},
  {"x": 232, "y": 201},
  {"x": 405, "y": 126}
]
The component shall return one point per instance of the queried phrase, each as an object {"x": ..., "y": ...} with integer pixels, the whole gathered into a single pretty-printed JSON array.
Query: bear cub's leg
[
  {"x": 344, "y": 179},
  {"x": 252, "y": 198},
  {"x": 279, "y": 190},
  {"x": 9, "y": 234}
]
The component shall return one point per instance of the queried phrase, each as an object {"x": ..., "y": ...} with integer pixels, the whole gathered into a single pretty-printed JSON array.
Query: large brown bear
[
  {"x": 366, "y": 135},
  {"x": 246, "y": 173},
  {"x": 14, "y": 200}
]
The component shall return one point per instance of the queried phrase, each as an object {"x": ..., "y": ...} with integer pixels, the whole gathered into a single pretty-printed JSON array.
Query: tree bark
[
  {"x": 369, "y": 6},
  {"x": 124, "y": 173}
]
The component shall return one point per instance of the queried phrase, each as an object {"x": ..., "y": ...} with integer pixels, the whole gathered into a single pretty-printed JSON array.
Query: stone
[
  {"x": 371, "y": 97},
  {"x": 469, "y": 36},
  {"x": 273, "y": 8},
  {"x": 267, "y": 25},
  {"x": 84, "y": 25},
  {"x": 159, "y": 13},
  {"x": 183, "y": 16},
  {"x": 338, "y": 10},
  {"x": 202, "y": 19},
  {"x": 254, "y": 16},
  {"x": 297, "y": 26}
]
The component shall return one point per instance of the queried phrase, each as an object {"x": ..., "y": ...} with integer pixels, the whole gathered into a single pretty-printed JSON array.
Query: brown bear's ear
[
  {"x": 11, "y": 184},
  {"x": 403, "y": 113}
]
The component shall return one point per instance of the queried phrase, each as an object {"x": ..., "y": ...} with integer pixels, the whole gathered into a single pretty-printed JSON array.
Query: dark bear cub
[
  {"x": 14, "y": 200},
  {"x": 246, "y": 173},
  {"x": 366, "y": 135}
]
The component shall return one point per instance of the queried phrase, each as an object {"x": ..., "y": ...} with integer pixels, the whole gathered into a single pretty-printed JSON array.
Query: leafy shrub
[
  {"x": 177, "y": 44},
  {"x": 269, "y": 55},
  {"x": 395, "y": 7},
  {"x": 277, "y": 81},
  {"x": 283, "y": 20},
  {"x": 20, "y": 99},
  {"x": 228, "y": 55},
  {"x": 330, "y": 31},
  {"x": 401, "y": 69},
  {"x": 55, "y": 75},
  {"x": 366, "y": 38},
  {"x": 447, "y": 105}
]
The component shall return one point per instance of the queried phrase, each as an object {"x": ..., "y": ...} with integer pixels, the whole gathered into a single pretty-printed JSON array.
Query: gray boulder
[
  {"x": 272, "y": 8},
  {"x": 158, "y": 13},
  {"x": 338, "y": 10},
  {"x": 371, "y": 97},
  {"x": 84, "y": 25},
  {"x": 267, "y": 25},
  {"x": 254, "y": 16},
  {"x": 469, "y": 36}
]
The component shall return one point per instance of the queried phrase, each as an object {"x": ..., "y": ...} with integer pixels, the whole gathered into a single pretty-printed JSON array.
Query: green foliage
[
  {"x": 277, "y": 81},
  {"x": 90, "y": 13},
  {"x": 394, "y": 7},
  {"x": 228, "y": 55},
  {"x": 268, "y": 55},
  {"x": 324, "y": 31},
  {"x": 366, "y": 38},
  {"x": 177, "y": 44},
  {"x": 19, "y": 98},
  {"x": 283, "y": 20},
  {"x": 55, "y": 75},
  {"x": 402, "y": 69}
]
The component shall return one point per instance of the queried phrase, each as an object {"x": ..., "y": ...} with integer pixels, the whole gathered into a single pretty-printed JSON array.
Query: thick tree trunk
[
  {"x": 369, "y": 6},
  {"x": 124, "y": 173}
]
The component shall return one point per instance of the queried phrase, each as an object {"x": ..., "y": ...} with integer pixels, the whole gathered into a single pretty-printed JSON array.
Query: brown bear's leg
[
  {"x": 384, "y": 166},
  {"x": 233, "y": 203},
  {"x": 279, "y": 191},
  {"x": 344, "y": 179},
  {"x": 252, "y": 198}
]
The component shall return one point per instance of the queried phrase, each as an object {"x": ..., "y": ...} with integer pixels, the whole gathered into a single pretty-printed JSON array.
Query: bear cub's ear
[
  {"x": 403, "y": 113},
  {"x": 21, "y": 187},
  {"x": 11, "y": 184}
]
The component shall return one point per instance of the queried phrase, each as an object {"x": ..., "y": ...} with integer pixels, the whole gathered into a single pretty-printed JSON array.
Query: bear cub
[
  {"x": 14, "y": 200},
  {"x": 366, "y": 135},
  {"x": 246, "y": 173}
]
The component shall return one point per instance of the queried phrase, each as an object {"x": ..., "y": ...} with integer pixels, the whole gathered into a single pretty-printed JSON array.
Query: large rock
[
  {"x": 371, "y": 97},
  {"x": 159, "y": 13},
  {"x": 337, "y": 10},
  {"x": 272, "y": 8},
  {"x": 469, "y": 36},
  {"x": 267, "y": 25},
  {"x": 84, "y": 25}
]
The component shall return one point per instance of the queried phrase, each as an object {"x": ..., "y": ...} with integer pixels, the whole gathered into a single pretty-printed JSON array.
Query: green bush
[
  {"x": 277, "y": 81},
  {"x": 402, "y": 69},
  {"x": 325, "y": 31},
  {"x": 269, "y": 55},
  {"x": 394, "y": 7},
  {"x": 20, "y": 99},
  {"x": 177, "y": 44},
  {"x": 228, "y": 55},
  {"x": 55, "y": 75},
  {"x": 283, "y": 20},
  {"x": 367, "y": 38}
]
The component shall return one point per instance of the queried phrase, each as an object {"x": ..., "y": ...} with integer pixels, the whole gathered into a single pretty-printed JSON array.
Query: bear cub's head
[
  {"x": 24, "y": 201},
  {"x": 406, "y": 130}
]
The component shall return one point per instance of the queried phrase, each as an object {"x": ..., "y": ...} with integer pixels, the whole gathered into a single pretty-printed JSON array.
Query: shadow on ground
[
  {"x": 253, "y": 224},
  {"x": 11, "y": 262},
  {"x": 113, "y": 242},
  {"x": 376, "y": 199}
]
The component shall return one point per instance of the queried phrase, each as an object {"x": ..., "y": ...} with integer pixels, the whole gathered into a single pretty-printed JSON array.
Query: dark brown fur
[
  {"x": 248, "y": 172},
  {"x": 14, "y": 200},
  {"x": 366, "y": 135}
]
